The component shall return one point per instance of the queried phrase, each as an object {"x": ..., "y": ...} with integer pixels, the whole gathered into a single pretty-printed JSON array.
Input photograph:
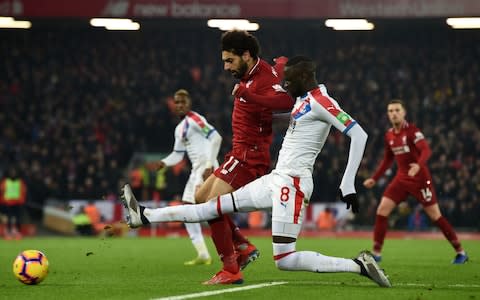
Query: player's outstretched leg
[
  {"x": 135, "y": 217},
  {"x": 369, "y": 268}
]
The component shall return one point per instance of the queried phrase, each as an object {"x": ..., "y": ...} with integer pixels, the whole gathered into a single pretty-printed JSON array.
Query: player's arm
[
  {"x": 385, "y": 164},
  {"x": 172, "y": 159},
  {"x": 280, "y": 63},
  {"x": 278, "y": 99},
  {"x": 270, "y": 94},
  {"x": 335, "y": 116},
  {"x": 424, "y": 150},
  {"x": 284, "y": 116}
]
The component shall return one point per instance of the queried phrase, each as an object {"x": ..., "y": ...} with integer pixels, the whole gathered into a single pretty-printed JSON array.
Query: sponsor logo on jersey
[
  {"x": 302, "y": 109},
  {"x": 400, "y": 149}
]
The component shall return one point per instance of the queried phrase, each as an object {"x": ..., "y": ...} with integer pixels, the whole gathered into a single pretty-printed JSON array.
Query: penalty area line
[{"x": 218, "y": 292}]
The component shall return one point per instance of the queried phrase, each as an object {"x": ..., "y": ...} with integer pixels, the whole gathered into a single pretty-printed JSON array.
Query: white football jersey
[
  {"x": 310, "y": 120},
  {"x": 191, "y": 136}
]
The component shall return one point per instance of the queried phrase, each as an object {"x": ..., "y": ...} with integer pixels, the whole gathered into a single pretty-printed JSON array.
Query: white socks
[
  {"x": 310, "y": 261},
  {"x": 182, "y": 213},
  {"x": 190, "y": 213},
  {"x": 195, "y": 232}
]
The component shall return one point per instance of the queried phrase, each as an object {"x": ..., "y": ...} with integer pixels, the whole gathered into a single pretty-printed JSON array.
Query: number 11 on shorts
[{"x": 229, "y": 165}]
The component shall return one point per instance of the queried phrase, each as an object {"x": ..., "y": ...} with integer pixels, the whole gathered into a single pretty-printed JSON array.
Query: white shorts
[
  {"x": 285, "y": 195},
  {"x": 194, "y": 180}
]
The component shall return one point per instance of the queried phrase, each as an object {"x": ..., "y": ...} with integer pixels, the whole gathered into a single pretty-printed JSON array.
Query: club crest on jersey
[{"x": 301, "y": 110}]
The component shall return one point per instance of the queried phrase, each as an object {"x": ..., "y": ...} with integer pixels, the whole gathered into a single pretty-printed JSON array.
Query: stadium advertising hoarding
[{"x": 295, "y": 9}]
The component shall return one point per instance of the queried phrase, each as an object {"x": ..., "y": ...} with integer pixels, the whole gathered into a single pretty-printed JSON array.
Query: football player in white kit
[
  {"x": 201, "y": 142},
  {"x": 287, "y": 189}
]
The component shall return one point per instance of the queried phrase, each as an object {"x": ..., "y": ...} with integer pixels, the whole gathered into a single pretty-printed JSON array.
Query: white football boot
[
  {"x": 134, "y": 218},
  {"x": 369, "y": 268}
]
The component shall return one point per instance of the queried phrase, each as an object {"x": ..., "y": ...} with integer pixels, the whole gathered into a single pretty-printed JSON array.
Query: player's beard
[{"x": 242, "y": 69}]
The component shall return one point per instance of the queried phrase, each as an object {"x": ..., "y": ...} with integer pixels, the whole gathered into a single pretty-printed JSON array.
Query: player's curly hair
[{"x": 239, "y": 41}]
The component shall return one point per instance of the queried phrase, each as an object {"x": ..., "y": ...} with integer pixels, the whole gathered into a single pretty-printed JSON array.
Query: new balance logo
[{"x": 116, "y": 8}]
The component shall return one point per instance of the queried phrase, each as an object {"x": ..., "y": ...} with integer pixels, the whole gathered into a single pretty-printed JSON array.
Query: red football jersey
[
  {"x": 252, "y": 123},
  {"x": 406, "y": 146}
]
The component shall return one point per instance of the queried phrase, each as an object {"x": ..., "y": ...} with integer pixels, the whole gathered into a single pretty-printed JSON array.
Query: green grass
[{"x": 144, "y": 268}]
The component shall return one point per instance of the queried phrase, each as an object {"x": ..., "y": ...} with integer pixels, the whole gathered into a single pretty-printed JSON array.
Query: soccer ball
[{"x": 30, "y": 267}]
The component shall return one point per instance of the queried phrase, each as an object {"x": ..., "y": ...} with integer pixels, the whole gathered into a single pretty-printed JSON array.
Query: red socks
[
  {"x": 380, "y": 230},
  {"x": 223, "y": 240},
  {"x": 449, "y": 233},
  {"x": 238, "y": 238}
]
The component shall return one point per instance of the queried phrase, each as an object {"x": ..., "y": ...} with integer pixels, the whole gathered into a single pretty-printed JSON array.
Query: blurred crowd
[{"x": 76, "y": 105}]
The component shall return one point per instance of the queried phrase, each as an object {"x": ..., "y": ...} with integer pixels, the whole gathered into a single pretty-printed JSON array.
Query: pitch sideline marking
[
  {"x": 396, "y": 284},
  {"x": 256, "y": 286},
  {"x": 217, "y": 292}
]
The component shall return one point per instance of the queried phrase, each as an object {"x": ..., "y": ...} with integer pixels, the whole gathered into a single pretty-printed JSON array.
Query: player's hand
[
  {"x": 351, "y": 200},
  {"x": 239, "y": 89},
  {"x": 207, "y": 172},
  {"x": 155, "y": 165},
  {"x": 369, "y": 183},
  {"x": 414, "y": 168},
  {"x": 281, "y": 60},
  {"x": 280, "y": 64}
]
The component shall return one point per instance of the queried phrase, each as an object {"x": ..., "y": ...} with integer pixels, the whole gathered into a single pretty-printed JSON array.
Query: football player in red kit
[
  {"x": 405, "y": 144},
  {"x": 257, "y": 95}
]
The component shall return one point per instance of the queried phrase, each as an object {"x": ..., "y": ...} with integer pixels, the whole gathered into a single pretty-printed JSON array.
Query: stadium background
[{"x": 80, "y": 106}]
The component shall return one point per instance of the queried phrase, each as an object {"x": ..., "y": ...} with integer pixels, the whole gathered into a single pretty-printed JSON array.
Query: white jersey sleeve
[
  {"x": 179, "y": 148},
  {"x": 328, "y": 110}
]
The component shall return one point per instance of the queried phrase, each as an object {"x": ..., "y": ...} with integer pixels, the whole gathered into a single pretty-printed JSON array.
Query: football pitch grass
[{"x": 152, "y": 268}]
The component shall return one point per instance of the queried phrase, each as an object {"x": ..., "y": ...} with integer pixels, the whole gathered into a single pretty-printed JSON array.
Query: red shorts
[
  {"x": 420, "y": 187},
  {"x": 243, "y": 165}
]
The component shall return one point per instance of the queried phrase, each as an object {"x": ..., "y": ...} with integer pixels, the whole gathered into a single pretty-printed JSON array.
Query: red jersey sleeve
[
  {"x": 422, "y": 146},
  {"x": 386, "y": 161},
  {"x": 267, "y": 91},
  {"x": 278, "y": 101}
]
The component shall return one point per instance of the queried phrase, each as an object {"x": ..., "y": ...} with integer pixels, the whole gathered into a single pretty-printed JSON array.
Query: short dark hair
[
  {"x": 397, "y": 101},
  {"x": 305, "y": 63},
  {"x": 239, "y": 41},
  {"x": 298, "y": 59}
]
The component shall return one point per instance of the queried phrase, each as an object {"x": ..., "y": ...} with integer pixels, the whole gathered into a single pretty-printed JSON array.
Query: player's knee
[{"x": 201, "y": 196}]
